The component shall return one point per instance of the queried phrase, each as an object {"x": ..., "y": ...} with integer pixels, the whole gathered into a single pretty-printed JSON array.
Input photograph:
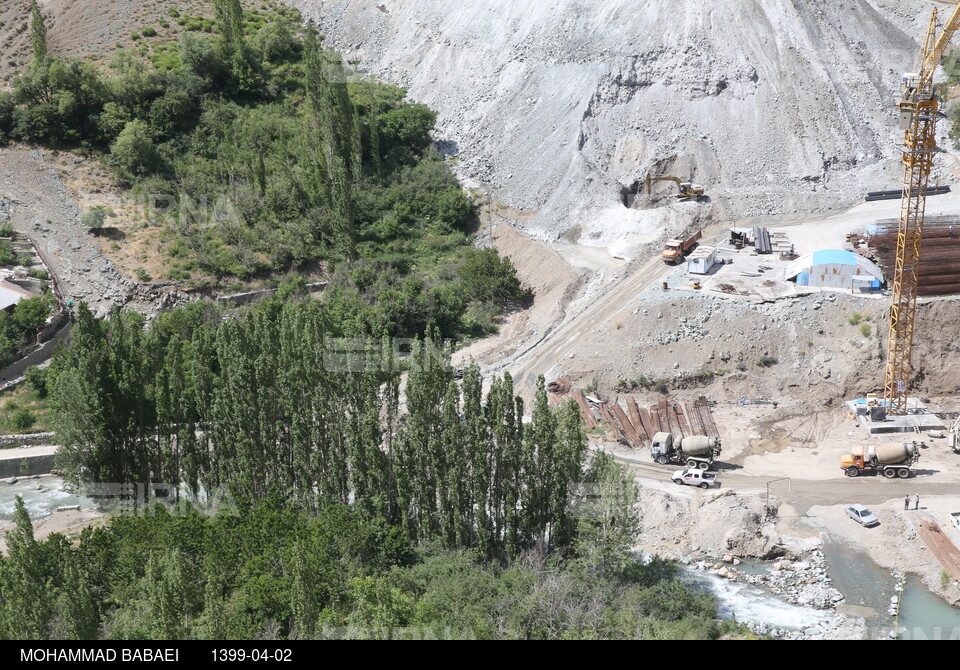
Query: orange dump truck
[{"x": 675, "y": 250}]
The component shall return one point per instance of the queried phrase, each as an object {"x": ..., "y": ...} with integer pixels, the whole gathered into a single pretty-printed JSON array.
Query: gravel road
[{"x": 35, "y": 201}]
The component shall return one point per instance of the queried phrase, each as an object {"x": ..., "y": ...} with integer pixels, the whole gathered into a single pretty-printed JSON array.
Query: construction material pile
[
  {"x": 939, "y": 260},
  {"x": 637, "y": 425}
]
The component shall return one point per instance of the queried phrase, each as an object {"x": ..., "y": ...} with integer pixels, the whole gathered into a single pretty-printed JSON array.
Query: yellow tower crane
[{"x": 919, "y": 113}]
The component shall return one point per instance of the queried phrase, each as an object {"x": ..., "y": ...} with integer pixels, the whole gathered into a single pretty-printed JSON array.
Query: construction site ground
[
  {"x": 603, "y": 323},
  {"x": 561, "y": 128}
]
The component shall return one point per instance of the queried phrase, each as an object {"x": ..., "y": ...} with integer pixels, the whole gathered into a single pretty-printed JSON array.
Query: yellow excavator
[{"x": 687, "y": 190}]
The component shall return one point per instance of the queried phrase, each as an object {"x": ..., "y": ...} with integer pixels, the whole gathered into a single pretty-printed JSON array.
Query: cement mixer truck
[
  {"x": 697, "y": 451},
  {"x": 892, "y": 460}
]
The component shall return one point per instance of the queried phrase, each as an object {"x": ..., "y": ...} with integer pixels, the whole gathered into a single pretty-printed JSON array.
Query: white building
[{"x": 835, "y": 268}]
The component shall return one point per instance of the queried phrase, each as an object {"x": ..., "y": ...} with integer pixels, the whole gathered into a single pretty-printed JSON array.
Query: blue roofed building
[{"x": 835, "y": 268}]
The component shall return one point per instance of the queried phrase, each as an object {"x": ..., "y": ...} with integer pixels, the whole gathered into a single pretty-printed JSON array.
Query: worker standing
[
  {"x": 906, "y": 502},
  {"x": 916, "y": 502}
]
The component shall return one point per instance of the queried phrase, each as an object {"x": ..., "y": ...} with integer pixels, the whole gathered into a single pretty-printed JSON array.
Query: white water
[
  {"x": 41, "y": 496},
  {"x": 751, "y": 605}
]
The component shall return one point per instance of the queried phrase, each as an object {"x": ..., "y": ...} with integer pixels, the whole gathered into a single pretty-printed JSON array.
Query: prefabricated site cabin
[{"x": 701, "y": 260}]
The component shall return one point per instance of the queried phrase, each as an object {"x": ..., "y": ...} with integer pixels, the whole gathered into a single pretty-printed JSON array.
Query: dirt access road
[
  {"x": 588, "y": 294},
  {"x": 618, "y": 299},
  {"x": 802, "y": 494}
]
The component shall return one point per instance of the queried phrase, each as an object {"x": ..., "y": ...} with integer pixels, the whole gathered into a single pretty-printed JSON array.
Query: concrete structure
[
  {"x": 917, "y": 420},
  {"x": 26, "y": 461},
  {"x": 835, "y": 268},
  {"x": 701, "y": 260}
]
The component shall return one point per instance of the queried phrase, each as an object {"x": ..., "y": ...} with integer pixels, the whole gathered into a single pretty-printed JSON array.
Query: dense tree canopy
[
  {"x": 275, "y": 399},
  {"x": 269, "y": 155},
  {"x": 271, "y": 571}
]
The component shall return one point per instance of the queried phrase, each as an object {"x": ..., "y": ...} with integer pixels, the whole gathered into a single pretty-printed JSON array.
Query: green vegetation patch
[{"x": 258, "y": 152}]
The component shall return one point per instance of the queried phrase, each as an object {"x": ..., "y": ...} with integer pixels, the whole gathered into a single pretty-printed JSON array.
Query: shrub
[
  {"x": 134, "y": 153},
  {"x": 94, "y": 217},
  {"x": 143, "y": 275},
  {"x": 865, "y": 329},
  {"x": 7, "y": 110},
  {"x": 276, "y": 43},
  {"x": 481, "y": 318},
  {"x": 149, "y": 31},
  {"x": 855, "y": 318},
  {"x": 486, "y": 276},
  {"x": 6, "y": 230},
  {"x": 135, "y": 36},
  {"x": 36, "y": 379},
  {"x": 22, "y": 419},
  {"x": 7, "y": 255}
]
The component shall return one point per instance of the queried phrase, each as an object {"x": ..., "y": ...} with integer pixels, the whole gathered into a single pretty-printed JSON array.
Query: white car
[
  {"x": 862, "y": 515},
  {"x": 695, "y": 477}
]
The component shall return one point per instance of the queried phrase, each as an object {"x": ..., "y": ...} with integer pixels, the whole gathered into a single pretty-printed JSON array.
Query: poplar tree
[
  {"x": 25, "y": 599},
  {"x": 333, "y": 111},
  {"x": 38, "y": 33},
  {"x": 166, "y": 588},
  {"x": 234, "y": 51},
  {"x": 76, "y": 605}
]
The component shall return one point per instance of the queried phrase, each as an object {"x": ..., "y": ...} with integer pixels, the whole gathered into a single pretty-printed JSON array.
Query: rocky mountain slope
[{"x": 775, "y": 106}]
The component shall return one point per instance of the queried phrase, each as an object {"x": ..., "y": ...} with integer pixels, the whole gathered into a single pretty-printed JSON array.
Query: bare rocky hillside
[
  {"x": 81, "y": 28},
  {"x": 775, "y": 106}
]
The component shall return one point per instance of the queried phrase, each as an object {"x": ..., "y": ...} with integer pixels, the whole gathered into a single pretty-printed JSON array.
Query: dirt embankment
[{"x": 38, "y": 205}]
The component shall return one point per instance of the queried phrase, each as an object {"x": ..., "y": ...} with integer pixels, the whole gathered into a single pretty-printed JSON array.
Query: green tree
[
  {"x": 36, "y": 378},
  {"x": 133, "y": 153},
  {"x": 25, "y": 600},
  {"x": 166, "y": 590},
  {"x": 488, "y": 276},
  {"x": 198, "y": 56},
  {"x": 233, "y": 47},
  {"x": 31, "y": 313},
  {"x": 608, "y": 516},
  {"x": 8, "y": 108},
  {"x": 38, "y": 33},
  {"x": 76, "y": 605}
]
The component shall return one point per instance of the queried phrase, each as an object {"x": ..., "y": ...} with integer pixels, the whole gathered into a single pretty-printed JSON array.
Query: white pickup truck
[{"x": 695, "y": 477}]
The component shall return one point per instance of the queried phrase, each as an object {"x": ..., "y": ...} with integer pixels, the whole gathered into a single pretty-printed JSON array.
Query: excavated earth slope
[{"x": 563, "y": 106}]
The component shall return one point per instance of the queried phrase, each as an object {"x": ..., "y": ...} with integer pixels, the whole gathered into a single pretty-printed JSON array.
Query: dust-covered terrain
[{"x": 563, "y": 107}]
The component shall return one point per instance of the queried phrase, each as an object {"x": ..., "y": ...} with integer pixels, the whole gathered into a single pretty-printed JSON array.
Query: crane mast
[{"x": 919, "y": 114}]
